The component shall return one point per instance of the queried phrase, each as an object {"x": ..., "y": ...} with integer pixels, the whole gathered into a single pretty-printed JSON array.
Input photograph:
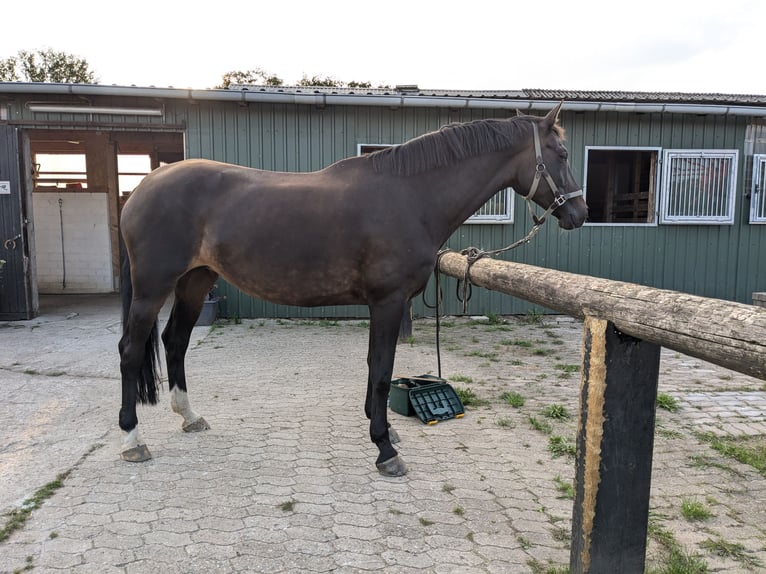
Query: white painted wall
[{"x": 87, "y": 250}]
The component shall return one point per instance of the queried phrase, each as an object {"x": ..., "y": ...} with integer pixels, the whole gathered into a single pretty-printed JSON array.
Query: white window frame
[
  {"x": 668, "y": 156},
  {"x": 478, "y": 217},
  {"x": 758, "y": 190},
  {"x": 497, "y": 217}
]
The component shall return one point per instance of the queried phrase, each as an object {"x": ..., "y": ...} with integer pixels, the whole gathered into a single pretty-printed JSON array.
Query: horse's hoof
[
  {"x": 199, "y": 425},
  {"x": 394, "y": 466},
  {"x": 393, "y": 436},
  {"x": 138, "y": 453}
]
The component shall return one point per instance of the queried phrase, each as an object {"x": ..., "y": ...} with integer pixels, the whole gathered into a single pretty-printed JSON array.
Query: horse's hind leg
[
  {"x": 190, "y": 293},
  {"x": 139, "y": 378}
]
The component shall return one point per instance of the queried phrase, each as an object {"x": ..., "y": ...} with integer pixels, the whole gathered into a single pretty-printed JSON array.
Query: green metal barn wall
[{"x": 723, "y": 261}]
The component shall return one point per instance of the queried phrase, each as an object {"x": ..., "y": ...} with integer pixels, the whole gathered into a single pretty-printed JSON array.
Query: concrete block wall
[{"x": 87, "y": 252}]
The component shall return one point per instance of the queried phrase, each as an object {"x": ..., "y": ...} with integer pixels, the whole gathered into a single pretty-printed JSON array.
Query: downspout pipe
[{"x": 393, "y": 100}]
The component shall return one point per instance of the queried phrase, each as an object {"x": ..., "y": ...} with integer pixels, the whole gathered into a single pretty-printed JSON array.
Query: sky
[{"x": 649, "y": 45}]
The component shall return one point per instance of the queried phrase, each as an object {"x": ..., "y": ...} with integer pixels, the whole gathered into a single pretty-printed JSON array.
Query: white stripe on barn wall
[{"x": 85, "y": 265}]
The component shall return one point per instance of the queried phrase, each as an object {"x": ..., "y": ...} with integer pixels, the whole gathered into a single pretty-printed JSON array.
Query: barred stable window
[
  {"x": 698, "y": 186},
  {"x": 499, "y": 208},
  {"x": 758, "y": 190}
]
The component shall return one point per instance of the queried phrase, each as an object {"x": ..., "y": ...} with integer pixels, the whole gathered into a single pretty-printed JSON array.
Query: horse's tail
[{"x": 147, "y": 383}]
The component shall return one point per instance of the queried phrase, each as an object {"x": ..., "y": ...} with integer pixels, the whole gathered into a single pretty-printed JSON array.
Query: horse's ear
[{"x": 552, "y": 116}]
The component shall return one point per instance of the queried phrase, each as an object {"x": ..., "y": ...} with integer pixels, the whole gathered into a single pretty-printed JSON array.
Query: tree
[
  {"x": 330, "y": 82},
  {"x": 254, "y": 76},
  {"x": 46, "y": 66},
  {"x": 320, "y": 81},
  {"x": 261, "y": 77}
]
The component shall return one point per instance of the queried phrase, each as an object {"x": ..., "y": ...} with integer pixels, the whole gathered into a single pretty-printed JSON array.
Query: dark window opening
[{"x": 621, "y": 185}]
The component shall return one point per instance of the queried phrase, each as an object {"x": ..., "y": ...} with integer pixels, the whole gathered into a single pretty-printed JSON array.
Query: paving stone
[{"x": 479, "y": 497}]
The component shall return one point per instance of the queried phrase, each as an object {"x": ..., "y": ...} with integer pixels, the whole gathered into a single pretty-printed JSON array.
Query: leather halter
[{"x": 541, "y": 171}]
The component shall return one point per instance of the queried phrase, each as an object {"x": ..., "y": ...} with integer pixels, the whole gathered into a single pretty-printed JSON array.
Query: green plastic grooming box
[{"x": 429, "y": 398}]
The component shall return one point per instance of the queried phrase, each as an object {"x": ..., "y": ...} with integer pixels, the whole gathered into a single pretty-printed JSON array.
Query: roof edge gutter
[{"x": 322, "y": 99}]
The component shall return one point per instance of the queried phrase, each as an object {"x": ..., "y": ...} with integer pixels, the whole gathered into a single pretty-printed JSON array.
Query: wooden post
[{"x": 614, "y": 451}]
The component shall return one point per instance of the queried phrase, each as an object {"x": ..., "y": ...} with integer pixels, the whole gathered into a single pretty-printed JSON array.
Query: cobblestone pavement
[{"x": 284, "y": 481}]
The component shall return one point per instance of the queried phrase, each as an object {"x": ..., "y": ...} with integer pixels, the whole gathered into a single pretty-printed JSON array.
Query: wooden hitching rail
[{"x": 726, "y": 333}]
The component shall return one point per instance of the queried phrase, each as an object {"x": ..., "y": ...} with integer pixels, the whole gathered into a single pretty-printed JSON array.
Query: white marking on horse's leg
[
  {"x": 134, "y": 448},
  {"x": 179, "y": 402},
  {"x": 131, "y": 439}
]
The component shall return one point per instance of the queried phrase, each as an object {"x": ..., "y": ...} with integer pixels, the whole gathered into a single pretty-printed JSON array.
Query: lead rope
[{"x": 473, "y": 254}]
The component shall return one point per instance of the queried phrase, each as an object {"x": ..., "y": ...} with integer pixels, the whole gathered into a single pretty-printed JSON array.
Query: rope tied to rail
[{"x": 474, "y": 254}]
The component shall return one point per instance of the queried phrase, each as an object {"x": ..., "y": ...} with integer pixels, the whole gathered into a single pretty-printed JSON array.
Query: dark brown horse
[{"x": 365, "y": 230}]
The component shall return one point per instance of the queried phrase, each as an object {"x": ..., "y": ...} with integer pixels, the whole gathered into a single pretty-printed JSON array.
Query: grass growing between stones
[
  {"x": 665, "y": 401},
  {"x": 558, "y": 412},
  {"x": 469, "y": 398},
  {"x": 27, "y": 567},
  {"x": 16, "y": 518},
  {"x": 560, "y": 446},
  {"x": 694, "y": 510},
  {"x": 565, "y": 488},
  {"x": 732, "y": 550},
  {"x": 513, "y": 398},
  {"x": 538, "y": 567},
  {"x": 749, "y": 450},
  {"x": 673, "y": 558}
]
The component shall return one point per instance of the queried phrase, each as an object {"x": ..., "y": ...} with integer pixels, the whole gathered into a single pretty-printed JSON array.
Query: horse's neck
[{"x": 462, "y": 189}]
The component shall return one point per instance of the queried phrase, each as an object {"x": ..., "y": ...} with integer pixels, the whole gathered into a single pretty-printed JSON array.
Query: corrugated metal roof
[
  {"x": 654, "y": 97},
  {"x": 523, "y": 94}
]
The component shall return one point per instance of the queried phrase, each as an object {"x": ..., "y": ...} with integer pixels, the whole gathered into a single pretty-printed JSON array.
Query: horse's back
[{"x": 330, "y": 232}]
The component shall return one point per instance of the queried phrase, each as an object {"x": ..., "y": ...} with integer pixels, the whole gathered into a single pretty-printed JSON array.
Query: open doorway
[{"x": 80, "y": 181}]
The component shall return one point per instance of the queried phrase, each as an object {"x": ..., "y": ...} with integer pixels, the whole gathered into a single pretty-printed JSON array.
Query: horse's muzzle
[{"x": 572, "y": 214}]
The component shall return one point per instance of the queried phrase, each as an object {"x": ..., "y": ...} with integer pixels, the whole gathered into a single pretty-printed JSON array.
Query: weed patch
[
  {"x": 16, "y": 518},
  {"x": 558, "y": 412},
  {"x": 747, "y": 450},
  {"x": 513, "y": 398},
  {"x": 665, "y": 401},
  {"x": 469, "y": 398},
  {"x": 732, "y": 550},
  {"x": 538, "y": 567},
  {"x": 565, "y": 488},
  {"x": 542, "y": 426},
  {"x": 694, "y": 510},
  {"x": 517, "y": 343},
  {"x": 674, "y": 559},
  {"x": 560, "y": 446}
]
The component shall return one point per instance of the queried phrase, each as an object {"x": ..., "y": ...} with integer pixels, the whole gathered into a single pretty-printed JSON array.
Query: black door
[{"x": 18, "y": 299}]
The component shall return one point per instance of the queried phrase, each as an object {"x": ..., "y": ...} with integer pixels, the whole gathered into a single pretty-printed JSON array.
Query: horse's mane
[{"x": 452, "y": 143}]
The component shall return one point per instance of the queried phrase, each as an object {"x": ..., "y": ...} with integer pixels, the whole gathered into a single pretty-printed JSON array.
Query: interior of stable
[{"x": 84, "y": 177}]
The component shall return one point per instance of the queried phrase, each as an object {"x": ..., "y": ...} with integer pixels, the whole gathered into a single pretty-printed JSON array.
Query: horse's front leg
[{"x": 384, "y": 331}]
